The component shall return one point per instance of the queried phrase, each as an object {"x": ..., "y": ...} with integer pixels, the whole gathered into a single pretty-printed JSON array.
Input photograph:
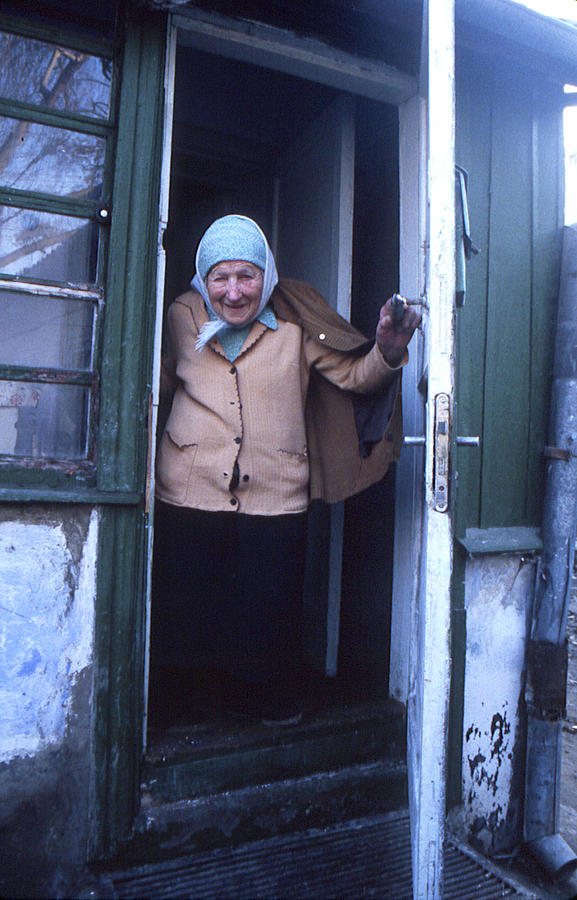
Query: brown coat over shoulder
[{"x": 296, "y": 438}]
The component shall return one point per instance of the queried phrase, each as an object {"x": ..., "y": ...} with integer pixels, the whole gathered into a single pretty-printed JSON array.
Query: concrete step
[{"x": 265, "y": 810}]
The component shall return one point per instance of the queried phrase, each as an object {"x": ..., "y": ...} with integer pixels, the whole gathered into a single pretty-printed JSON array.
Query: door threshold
[
  {"x": 213, "y": 731},
  {"x": 224, "y": 752}
]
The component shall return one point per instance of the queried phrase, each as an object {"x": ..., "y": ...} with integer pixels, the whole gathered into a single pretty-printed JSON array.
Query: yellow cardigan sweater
[{"x": 248, "y": 436}]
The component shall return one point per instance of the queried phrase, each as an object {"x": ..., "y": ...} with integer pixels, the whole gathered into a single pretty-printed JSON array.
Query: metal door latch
[
  {"x": 441, "y": 469},
  {"x": 419, "y": 440},
  {"x": 442, "y": 448}
]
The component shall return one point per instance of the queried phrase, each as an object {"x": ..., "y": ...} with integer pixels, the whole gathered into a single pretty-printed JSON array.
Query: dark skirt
[{"x": 227, "y": 592}]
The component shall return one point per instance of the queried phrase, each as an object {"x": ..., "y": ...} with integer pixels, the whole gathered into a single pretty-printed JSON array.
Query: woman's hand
[{"x": 392, "y": 340}]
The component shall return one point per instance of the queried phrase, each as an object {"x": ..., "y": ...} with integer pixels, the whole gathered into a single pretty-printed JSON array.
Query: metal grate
[{"x": 364, "y": 858}]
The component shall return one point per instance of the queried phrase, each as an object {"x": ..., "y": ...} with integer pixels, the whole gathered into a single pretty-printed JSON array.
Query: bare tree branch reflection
[
  {"x": 18, "y": 134},
  {"x": 48, "y": 159}
]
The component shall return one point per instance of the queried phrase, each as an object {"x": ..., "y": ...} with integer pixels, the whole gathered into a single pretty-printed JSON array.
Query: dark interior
[{"x": 232, "y": 121}]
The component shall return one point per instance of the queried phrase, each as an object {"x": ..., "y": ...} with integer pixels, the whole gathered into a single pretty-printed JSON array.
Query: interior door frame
[
  {"x": 410, "y": 470},
  {"x": 284, "y": 52}
]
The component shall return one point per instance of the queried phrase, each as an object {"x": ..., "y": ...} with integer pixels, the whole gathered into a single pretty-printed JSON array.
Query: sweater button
[
  {"x": 232, "y": 370},
  {"x": 245, "y": 477},
  {"x": 233, "y": 501},
  {"x": 238, "y": 440},
  {"x": 322, "y": 336}
]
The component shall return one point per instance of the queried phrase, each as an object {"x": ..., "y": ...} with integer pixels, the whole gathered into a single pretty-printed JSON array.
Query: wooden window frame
[
  {"x": 25, "y": 477},
  {"x": 124, "y": 289}
]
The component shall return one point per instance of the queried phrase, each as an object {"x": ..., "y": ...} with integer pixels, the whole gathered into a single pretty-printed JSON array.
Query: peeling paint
[
  {"x": 47, "y": 586},
  {"x": 495, "y": 737},
  {"x": 500, "y": 728},
  {"x": 498, "y": 592},
  {"x": 473, "y": 763}
]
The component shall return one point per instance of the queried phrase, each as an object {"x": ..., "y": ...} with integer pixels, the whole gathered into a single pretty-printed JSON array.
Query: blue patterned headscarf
[{"x": 230, "y": 238}]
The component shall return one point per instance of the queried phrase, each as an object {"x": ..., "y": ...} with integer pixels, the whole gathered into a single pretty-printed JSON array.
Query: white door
[
  {"x": 420, "y": 659},
  {"x": 313, "y": 241}
]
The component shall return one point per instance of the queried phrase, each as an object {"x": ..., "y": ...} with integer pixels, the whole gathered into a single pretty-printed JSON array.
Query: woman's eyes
[
  {"x": 247, "y": 278},
  {"x": 223, "y": 280}
]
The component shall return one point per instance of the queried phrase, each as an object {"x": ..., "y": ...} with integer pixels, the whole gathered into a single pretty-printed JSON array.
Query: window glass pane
[
  {"x": 46, "y": 245},
  {"x": 57, "y": 161},
  {"x": 45, "y": 332},
  {"x": 36, "y": 72},
  {"x": 43, "y": 420}
]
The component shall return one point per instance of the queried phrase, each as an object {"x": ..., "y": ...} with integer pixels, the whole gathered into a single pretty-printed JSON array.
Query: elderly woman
[{"x": 276, "y": 400}]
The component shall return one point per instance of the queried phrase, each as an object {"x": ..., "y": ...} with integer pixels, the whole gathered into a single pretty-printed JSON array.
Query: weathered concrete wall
[
  {"x": 498, "y": 596},
  {"x": 47, "y": 600}
]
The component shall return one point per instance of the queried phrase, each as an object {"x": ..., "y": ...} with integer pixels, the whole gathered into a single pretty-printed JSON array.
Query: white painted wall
[
  {"x": 47, "y": 595},
  {"x": 498, "y": 592}
]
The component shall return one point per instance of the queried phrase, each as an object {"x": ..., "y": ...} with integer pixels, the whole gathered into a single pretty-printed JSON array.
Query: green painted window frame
[
  {"x": 126, "y": 272},
  {"x": 20, "y": 475}
]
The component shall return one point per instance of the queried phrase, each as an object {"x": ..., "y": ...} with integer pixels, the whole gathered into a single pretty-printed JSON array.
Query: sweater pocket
[
  {"x": 294, "y": 480},
  {"x": 174, "y": 464}
]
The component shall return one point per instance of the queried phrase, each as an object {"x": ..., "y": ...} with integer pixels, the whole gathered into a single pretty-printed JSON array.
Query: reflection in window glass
[
  {"x": 45, "y": 332},
  {"x": 45, "y": 74},
  {"x": 43, "y": 421},
  {"x": 46, "y": 245},
  {"x": 53, "y": 160}
]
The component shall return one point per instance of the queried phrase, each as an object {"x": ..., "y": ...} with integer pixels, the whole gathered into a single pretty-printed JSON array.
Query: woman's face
[{"x": 235, "y": 288}]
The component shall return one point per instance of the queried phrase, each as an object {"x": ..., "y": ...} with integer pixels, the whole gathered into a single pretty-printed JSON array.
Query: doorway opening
[{"x": 318, "y": 170}]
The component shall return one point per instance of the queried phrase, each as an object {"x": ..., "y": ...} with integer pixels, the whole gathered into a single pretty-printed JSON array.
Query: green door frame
[{"x": 118, "y": 702}]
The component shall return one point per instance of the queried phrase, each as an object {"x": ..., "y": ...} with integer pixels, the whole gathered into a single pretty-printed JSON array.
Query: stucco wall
[
  {"x": 47, "y": 598},
  {"x": 498, "y": 594}
]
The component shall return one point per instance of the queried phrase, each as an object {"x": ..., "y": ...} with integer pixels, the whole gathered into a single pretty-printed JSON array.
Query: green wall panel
[
  {"x": 509, "y": 140},
  {"x": 473, "y": 152},
  {"x": 507, "y": 353}
]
